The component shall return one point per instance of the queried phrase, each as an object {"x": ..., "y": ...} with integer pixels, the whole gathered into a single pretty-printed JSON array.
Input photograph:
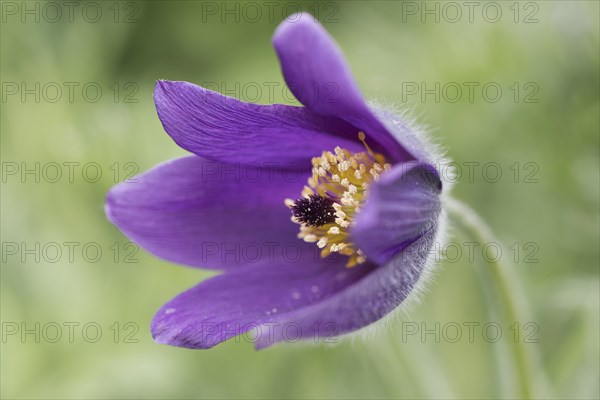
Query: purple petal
[
  {"x": 224, "y": 129},
  {"x": 316, "y": 72},
  {"x": 308, "y": 299},
  {"x": 362, "y": 303},
  {"x": 400, "y": 208},
  {"x": 201, "y": 213},
  {"x": 396, "y": 229},
  {"x": 253, "y": 296}
]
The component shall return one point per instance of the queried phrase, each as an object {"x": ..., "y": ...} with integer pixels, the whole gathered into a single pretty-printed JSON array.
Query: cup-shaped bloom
[{"x": 322, "y": 217}]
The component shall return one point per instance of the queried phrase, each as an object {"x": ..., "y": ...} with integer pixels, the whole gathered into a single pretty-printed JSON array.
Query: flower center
[
  {"x": 335, "y": 192},
  {"x": 314, "y": 211}
]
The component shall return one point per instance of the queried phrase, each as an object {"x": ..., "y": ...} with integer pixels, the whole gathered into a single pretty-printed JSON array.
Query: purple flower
[{"x": 356, "y": 181}]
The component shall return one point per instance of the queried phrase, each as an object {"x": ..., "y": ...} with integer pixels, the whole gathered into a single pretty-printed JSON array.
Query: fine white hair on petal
[
  {"x": 385, "y": 325},
  {"x": 403, "y": 125}
]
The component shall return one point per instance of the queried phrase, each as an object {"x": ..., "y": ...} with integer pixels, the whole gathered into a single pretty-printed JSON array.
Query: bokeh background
[{"x": 548, "y": 124}]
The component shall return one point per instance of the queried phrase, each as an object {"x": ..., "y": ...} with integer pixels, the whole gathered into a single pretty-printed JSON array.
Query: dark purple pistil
[{"x": 315, "y": 210}]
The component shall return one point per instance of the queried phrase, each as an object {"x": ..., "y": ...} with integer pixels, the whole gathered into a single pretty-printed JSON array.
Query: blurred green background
[{"x": 543, "y": 55}]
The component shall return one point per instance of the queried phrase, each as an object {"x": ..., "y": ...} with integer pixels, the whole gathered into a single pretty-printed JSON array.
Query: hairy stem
[{"x": 508, "y": 288}]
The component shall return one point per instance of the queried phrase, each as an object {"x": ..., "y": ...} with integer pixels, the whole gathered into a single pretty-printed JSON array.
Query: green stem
[{"x": 509, "y": 291}]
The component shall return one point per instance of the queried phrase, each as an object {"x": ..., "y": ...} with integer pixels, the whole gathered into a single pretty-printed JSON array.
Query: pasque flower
[{"x": 350, "y": 189}]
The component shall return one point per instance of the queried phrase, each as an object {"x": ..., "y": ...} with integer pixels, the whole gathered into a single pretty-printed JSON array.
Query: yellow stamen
[{"x": 343, "y": 178}]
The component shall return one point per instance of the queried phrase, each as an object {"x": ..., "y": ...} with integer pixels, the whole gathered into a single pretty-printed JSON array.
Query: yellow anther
[
  {"x": 362, "y": 138},
  {"x": 334, "y": 230},
  {"x": 343, "y": 177}
]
